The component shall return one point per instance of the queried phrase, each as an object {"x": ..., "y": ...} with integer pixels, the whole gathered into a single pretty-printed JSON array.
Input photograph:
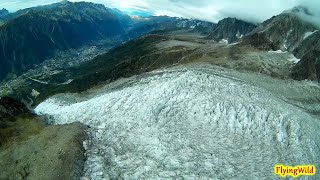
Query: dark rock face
[
  {"x": 288, "y": 32},
  {"x": 231, "y": 29},
  {"x": 261, "y": 42},
  {"x": 198, "y": 26},
  {"x": 36, "y": 34},
  {"x": 285, "y": 31},
  {"x": 3, "y": 12},
  {"x": 301, "y": 9},
  {"x": 205, "y": 28},
  {"x": 123, "y": 18},
  {"x": 309, "y": 44},
  {"x": 309, "y": 52},
  {"x": 9, "y": 108},
  {"x": 308, "y": 67}
]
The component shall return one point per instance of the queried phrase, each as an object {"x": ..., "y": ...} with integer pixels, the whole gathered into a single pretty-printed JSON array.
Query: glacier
[{"x": 188, "y": 123}]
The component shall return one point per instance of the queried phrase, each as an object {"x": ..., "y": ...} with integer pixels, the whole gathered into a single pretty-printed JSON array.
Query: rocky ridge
[
  {"x": 290, "y": 32},
  {"x": 231, "y": 30}
]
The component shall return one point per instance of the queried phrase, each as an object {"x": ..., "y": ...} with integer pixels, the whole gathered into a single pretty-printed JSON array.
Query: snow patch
[
  {"x": 232, "y": 44},
  {"x": 307, "y": 34},
  {"x": 239, "y": 35},
  {"x": 278, "y": 52},
  {"x": 294, "y": 59},
  {"x": 34, "y": 93},
  {"x": 224, "y": 41},
  {"x": 67, "y": 82}
]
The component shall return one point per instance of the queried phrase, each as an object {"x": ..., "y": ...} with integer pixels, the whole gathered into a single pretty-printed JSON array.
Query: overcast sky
[{"x": 210, "y": 10}]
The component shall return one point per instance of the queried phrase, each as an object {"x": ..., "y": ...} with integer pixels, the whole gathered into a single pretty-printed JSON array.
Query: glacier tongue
[{"x": 191, "y": 124}]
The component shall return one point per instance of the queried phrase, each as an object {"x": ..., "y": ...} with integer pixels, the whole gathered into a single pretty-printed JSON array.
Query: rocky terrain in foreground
[{"x": 29, "y": 149}]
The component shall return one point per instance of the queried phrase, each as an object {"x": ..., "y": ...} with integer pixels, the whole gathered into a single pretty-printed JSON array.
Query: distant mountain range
[
  {"x": 35, "y": 34},
  {"x": 290, "y": 32},
  {"x": 285, "y": 31},
  {"x": 231, "y": 29},
  {"x": 29, "y": 36},
  {"x": 3, "y": 12}
]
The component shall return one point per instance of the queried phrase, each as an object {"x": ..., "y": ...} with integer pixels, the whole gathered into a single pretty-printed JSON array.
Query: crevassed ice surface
[{"x": 189, "y": 124}]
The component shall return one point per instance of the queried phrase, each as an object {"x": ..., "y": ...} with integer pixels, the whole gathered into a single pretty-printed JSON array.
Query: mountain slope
[
  {"x": 3, "y": 12},
  {"x": 309, "y": 51},
  {"x": 285, "y": 31},
  {"x": 205, "y": 28},
  {"x": 231, "y": 29},
  {"x": 153, "y": 24},
  {"x": 308, "y": 67},
  {"x": 290, "y": 31},
  {"x": 311, "y": 42},
  {"x": 35, "y": 35}
]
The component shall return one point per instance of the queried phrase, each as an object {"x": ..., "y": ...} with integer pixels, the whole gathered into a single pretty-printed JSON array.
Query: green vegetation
[{"x": 20, "y": 129}]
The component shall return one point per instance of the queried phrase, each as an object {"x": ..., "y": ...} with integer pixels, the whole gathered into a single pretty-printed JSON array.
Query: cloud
[
  {"x": 210, "y": 10},
  {"x": 14, "y": 5}
]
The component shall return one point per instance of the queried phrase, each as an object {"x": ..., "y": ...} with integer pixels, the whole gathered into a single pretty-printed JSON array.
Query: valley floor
[{"x": 193, "y": 122}]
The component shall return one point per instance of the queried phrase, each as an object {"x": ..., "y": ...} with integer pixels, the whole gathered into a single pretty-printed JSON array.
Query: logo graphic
[{"x": 295, "y": 171}]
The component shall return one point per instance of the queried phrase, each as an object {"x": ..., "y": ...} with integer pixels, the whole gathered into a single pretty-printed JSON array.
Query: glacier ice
[{"x": 189, "y": 124}]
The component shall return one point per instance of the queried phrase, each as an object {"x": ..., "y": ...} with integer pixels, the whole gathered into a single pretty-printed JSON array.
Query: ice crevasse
[{"x": 189, "y": 124}]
